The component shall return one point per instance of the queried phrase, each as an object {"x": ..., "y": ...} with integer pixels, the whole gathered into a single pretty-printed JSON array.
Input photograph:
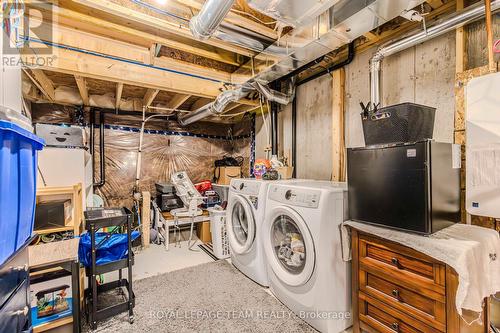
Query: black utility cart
[{"x": 113, "y": 219}]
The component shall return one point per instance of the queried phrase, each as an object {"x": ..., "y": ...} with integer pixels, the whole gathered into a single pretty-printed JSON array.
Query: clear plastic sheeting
[{"x": 162, "y": 154}]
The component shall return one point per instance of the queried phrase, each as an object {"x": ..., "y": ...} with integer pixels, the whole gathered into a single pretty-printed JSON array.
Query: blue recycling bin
[{"x": 18, "y": 171}]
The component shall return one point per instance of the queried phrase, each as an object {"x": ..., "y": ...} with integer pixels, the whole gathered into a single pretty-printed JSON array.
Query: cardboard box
[
  {"x": 203, "y": 232},
  {"x": 225, "y": 174},
  {"x": 285, "y": 172}
]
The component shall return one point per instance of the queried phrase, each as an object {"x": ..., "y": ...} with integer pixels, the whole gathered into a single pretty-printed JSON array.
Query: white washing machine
[
  {"x": 301, "y": 239},
  {"x": 244, "y": 219}
]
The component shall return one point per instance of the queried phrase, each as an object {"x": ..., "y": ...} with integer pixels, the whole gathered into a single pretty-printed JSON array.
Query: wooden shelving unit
[
  {"x": 74, "y": 193},
  {"x": 42, "y": 253},
  {"x": 53, "y": 324}
]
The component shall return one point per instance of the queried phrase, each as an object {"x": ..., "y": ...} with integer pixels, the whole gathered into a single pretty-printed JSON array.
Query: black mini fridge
[{"x": 412, "y": 187}]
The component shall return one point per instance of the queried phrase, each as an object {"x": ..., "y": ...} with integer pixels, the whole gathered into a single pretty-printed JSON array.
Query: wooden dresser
[{"x": 396, "y": 289}]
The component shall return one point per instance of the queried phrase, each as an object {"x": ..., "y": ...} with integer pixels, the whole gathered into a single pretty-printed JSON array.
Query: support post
[
  {"x": 146, "y": 218},
  {"x": 489, "y": 36},
  {"x": 338, "y": 126}
]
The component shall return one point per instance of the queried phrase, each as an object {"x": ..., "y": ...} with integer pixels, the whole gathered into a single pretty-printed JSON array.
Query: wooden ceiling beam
[
  {"x": 118, "y": 95},
  {"x": 159, "y": 24},
  {"x": 90, "y": 66},
  {"x": 82, "y": 88},
  {"x": 76, "y": 20},
  {"x": 42, "y": 82},
  {"x": 200, "y": 103},
  {"x": 177, "y": 101},
  {"x": 150, "y": 96},
  {"x": 110, "y": 47},
  {"x": 435, "y": 3}
]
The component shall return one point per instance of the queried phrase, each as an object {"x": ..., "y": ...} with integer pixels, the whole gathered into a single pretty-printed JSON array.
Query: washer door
[
  {"x": 289, "y": 246},
  {"x": 240, "y": 225}
]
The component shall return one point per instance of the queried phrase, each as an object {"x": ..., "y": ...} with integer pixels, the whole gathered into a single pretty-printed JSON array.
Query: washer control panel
[
  {"x": 242, "y": 187},
  {"x": 295, "y": 197}
]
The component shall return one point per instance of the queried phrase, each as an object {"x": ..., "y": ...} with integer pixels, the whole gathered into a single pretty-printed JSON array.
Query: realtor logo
[{"x": 27, "y": 29}]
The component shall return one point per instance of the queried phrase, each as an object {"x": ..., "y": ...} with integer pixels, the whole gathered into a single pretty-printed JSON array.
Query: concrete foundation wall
[{"x": 424, "y": 74}]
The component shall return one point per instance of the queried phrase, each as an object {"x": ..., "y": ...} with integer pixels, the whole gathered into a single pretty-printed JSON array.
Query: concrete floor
[{"x": 156, "y": 260}]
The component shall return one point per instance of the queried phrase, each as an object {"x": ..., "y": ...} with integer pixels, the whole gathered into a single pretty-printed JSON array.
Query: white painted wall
[
  {"x": 66, "y": 167},
  {"x": 424, "y": 74}
]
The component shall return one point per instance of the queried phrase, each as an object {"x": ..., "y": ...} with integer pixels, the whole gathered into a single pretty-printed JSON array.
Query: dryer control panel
[
  {"x": 295, "y": 197},
  {"x": 243, "y": 187}
]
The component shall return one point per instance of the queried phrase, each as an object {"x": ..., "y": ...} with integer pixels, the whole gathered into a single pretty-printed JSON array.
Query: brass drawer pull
[
  {"x": 395, "y": 293},
  {"x": 395, "y": 327}
]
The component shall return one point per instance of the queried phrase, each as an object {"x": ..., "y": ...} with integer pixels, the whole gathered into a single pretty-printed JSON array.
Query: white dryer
[
  {"x": 244, "y": 218},
  {"x": 301, "y": 238}
]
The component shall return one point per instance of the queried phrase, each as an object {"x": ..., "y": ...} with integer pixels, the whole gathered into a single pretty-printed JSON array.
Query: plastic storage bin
[
  {"x": 405, "y": 122},
  {"x": 18, "y": 166},
  {"x": 220, "y": 241}
]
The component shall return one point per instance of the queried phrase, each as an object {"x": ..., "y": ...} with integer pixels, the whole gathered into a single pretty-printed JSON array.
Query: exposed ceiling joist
[
  {"x": 90, "y": 66},
  {"x": 161, "y": 25},
  {"x": 177, "y": 101},
  {"x": 435, "y": 3},
  {"x": 73, "y": 19},
  {"x": 199, "y": 103},
  {"x": 109, "y": 47},
  {"x": 236, "y": 19},
  {"x": 231, "y": 107},
  {"x": 150, "y": 96},
  {"x": 43, "y": 83},
  {"x": 154, "y": 51},
  {"x": 82, "y": 88},
  {"x": 118, "y": 94}
]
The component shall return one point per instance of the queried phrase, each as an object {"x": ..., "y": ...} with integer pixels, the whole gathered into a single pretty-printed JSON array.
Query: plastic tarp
[
  {"x": 162, "y": 154},
  {"x": 112, "y": 249}
]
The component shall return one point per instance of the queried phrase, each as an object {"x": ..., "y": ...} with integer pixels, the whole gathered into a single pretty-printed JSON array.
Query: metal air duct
[
  {"x": 207, "y": 21},
  {"x": 449, "y": 23},
  {"x": 339, "y": 25},
  {"x": 216, "y": 107}
]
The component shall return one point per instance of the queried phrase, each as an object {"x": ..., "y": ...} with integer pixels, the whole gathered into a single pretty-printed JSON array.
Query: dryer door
[
  {"x": 240, "y": 225},
  {"x": 289, "y": 246}
]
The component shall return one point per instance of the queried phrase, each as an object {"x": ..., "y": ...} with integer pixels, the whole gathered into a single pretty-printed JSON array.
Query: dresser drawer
[
  {"x": 379, "y": 317},
  {"x": 411, "y": 268},
  {"x": 425, "y": 305}
]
